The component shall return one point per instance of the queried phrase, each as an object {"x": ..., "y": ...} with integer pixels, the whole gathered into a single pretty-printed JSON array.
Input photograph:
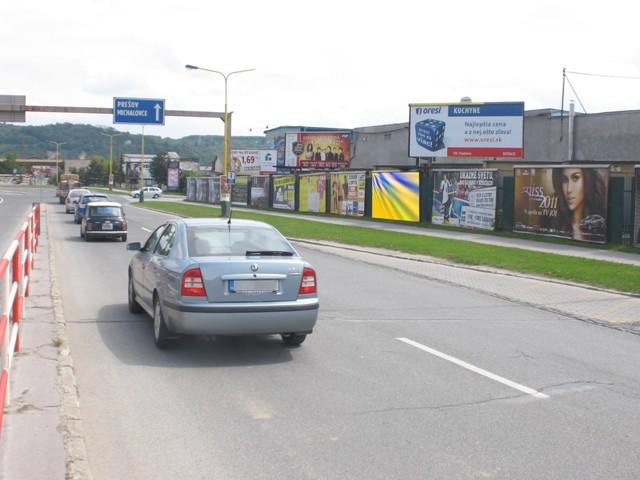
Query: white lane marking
[
  {"x": 146, "y": 230},
  {"x": 473, "y": 368},
  {"x": 1, "y": 200}
]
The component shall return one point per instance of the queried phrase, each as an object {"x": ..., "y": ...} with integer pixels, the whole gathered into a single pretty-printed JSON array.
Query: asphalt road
[
  {"x": 15, "y": 203},
  {"x": 379, "y": 391}
]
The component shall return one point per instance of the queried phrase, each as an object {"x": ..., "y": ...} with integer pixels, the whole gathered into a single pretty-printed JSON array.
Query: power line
[
  {"x": 602, "y": 75},
  {"x": 576, "y": 93}
]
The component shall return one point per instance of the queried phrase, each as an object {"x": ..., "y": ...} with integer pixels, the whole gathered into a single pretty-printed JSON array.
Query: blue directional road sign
[{"x": 138, "y": 111}]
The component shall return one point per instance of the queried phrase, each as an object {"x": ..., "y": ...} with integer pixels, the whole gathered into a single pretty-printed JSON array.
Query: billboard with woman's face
[
  {"x": 567, "y": 201},
  {"x": 396, "y": 196}
]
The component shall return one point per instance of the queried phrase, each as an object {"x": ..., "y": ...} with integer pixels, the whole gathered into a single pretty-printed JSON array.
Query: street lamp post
[
  {"x": 111, "y": 156},
  {"x": 225, "y": 205},
  {"x": 57, "y": 144}
]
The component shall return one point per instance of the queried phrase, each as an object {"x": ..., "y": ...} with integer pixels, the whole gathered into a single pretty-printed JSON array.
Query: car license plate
[
  {"x": 253, "y": 286},
  {"x": 107, "y": 226}
]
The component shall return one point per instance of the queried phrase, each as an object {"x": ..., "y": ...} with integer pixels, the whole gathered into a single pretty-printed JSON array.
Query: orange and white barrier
[{"x": 15, "y": 272}]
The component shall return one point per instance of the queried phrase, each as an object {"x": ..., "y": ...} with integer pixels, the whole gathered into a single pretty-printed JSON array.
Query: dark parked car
[
  {"x": 104, "y": 219},
  {"x": 213, "y": 277},
  {"x": 86, "y": 198}
]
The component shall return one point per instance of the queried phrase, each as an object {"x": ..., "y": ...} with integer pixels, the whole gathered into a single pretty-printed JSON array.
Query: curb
[{"x": 71, "y": 427}]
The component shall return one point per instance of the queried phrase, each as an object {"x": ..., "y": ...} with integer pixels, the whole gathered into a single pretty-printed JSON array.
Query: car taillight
[
  {"x": 308, "y": 283},
  {"x": 192, "y": 284},
  {"x": 124, "y": 225}
]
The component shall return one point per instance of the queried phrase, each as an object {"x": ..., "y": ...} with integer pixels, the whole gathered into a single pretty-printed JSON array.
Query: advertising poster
[
  {"x": 225, "y": 189},
  {"x": 567, "y": 201},
  {"x": 636, "y": 230},
  {"x": 214, "y": 189},
  {"x": 240, "y": 191},
  {"x": 396, "y": 196},
  {"x": 253, "y": 162},
  {"x": 347, "y": 191},
  {"x": 132, "y": 170},
  {"x": 313, "y": 196},
  {"x": 465, "y": 198},
  {"x": 260, "y": 192},
  {"x": 191, "y": 189},
  {"x": 284, "y": 192},
  {"x": 202, "y": 189},
  {"x": 318, "y": 150},
  {"x": 173, "y": 175},
  {"x": 466, "y": 130}
]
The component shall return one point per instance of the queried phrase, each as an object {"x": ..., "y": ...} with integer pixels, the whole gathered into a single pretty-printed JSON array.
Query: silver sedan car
[{"x": 220, "y": 277}]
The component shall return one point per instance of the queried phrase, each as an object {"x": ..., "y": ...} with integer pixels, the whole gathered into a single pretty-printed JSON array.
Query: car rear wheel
[
  {"x": 134, "y": 306},
  {"x": 161, "y": 333},
  {"x": 293, "y": 339},
  {"x": 156, "y": 196},
  {"x": 136, "y": 195}
]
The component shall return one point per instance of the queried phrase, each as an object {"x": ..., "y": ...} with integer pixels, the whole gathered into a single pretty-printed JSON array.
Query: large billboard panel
[
  {"x": 284, "y": 192},
  {"x": 202, "y": 190},
  {"x": 253, "y": 162},
  {"x": 132, "y": 169},
  {"x": 318, "y": 150},
  {"x": 347, "y": 193},
  {"x": 240, "y": 191},
  {"x": 313, "y": 193},
  {"x": 568, "y": 201},
  {"x": 465, "y": 198},
  {"x": 396, "y": 196},
  {"x": 214, "y": 190},
  {"x": 469, "y": 130},
  {"x": 260, "y": 192}
]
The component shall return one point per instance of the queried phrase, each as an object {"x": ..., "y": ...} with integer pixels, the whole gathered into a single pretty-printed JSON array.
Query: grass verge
[{"x": 624, "y": 278}]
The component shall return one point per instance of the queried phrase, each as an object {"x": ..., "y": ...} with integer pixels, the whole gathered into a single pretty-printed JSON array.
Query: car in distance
[
  {"x": 220, "y": 277},
  {"x": 103, "y": 220},
  {"x": 72, "y": 199},
  {"x": 86, "y": 198},
  {"x": 149, "y": 192}
]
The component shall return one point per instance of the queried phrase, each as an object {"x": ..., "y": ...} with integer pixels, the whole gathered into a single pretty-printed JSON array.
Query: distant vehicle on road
[
  {"x": 104, "y": 219},
  {"x": 149, "y": 192},
  {"x": 84, "y": 200},
  {"x": 72, "y": 199},
  {"x": 67, "y": 182},
  {"x": 211, "y": 277}
]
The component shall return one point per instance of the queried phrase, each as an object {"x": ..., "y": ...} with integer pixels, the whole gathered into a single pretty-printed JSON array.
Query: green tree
[
  {"x": 158, "y": 168},
  {"x": 96, "y": 173},
  {"x": 9, "y": 164}
]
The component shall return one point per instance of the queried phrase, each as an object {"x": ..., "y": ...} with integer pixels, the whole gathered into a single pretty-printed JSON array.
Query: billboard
[
  {"x": 173, "y": 175},
  {"x": 240, "y": 191},
  {"x": 318, "y": 150},
  {"x": 466, "y": 130},
  {"x": 284, "y": 192},
  {"x": 214, "y": 190},
  {"x": 465, "y": 198},
  {"x": 313, "y": 194},
  {"x": 132, "y": 169},
  {"x": 191, "y": 189},
  {"x": 347, "y": 193},
  {"x": 253, "y": 162},
  {"x": 568, "y": 201},
  {"x": 396, "y": 196},
  {"x": 260, "y": 192},
  {"x": 202, "y": 189}
]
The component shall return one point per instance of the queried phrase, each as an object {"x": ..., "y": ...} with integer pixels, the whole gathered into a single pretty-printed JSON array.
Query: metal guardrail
[{"x": 15, "y": 272}]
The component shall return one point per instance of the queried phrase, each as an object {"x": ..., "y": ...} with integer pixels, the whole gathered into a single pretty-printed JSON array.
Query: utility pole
[
  {"x": 57, "y": 144},
  {"x": 111, "y": 156}
]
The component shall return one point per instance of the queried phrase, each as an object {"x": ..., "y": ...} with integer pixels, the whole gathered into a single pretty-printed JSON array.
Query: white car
[
  {"x": 149, "y": 192},
  {"x": 72, "y": 199}
]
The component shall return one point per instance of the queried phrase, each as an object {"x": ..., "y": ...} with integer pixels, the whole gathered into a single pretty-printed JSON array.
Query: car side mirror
[{"x": 135, "y": 246}]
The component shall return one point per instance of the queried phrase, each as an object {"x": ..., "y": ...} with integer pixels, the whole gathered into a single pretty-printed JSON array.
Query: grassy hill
[{"x": 32, "y": 142}]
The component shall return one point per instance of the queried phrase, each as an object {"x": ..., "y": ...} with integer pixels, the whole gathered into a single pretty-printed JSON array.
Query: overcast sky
[{"x": 325, "y": 63}]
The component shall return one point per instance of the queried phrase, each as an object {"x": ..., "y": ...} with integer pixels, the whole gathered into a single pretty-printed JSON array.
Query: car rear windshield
[
  {"x": 106, "y": 212},
  {"x": 211, "y": 241},
  {"x": 93, "y": 198},
  {"x": 76, "y": 194}
]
